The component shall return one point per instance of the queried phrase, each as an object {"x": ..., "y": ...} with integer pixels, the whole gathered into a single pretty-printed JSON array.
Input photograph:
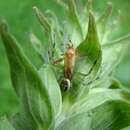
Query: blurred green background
[{"x": 21, "y": 21}]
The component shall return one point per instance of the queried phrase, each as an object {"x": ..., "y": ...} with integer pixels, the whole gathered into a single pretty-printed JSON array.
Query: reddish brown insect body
[{"x": 69, "y": 61}]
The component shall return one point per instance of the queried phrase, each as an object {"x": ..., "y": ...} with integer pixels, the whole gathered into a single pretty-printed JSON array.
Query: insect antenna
[{"x": 53, "y": 47}]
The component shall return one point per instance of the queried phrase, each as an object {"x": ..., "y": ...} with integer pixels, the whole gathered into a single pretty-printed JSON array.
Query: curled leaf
[
  {"x": 88, "y": 62},
  {"x": 89, "y": 50}
]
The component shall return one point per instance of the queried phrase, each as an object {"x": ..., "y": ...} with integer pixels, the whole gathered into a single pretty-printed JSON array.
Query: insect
[
  {"x": 69, "y": 61},
  {"x": 71, "y": 54}
]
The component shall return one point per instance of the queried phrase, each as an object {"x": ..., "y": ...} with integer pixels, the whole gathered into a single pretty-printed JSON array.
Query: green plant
[{"x": 95, "y": 99}]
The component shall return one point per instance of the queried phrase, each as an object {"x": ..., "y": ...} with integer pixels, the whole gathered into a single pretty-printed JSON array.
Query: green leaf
[
  {"x": 18, "y": 78},
  {"x": 37, "y": 45},
  {"x": 102, "y": 109},
  {"x": 90, "y": 5},
  {"x": 112, "y": 54},
  {"x": 27, "y": 82},
  {"x": 87, "y": 63},
  {"x": 62, "y": 3},
  {"x": 51, "y": 84},
  {"x": 49, "y": 27},
  {"x": 74, "y": 28},
  {"x": 113, "y": 27},
  {"x": 49, "y": 31},
  {"x": 102, "y": 22},
  {"x": 122, "y": 40},
  {"x": 56, "y": 34},
  {"x": 89, "y": 50},
  {"x": 71, "y": 8},
  {"x": 21, "y": 122},
  {"x": 73, "y": 15},
  {"x": 115, "y": 84},
  {"x": 5, "y": 125},
  {"x": 43, "y": 20},
  {"x": 54, "y": 21},
  {"x": 78, "y": 6}
]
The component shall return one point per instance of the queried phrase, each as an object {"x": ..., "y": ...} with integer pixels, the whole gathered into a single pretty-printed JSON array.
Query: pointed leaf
[
  {"x": 27, "y": 82},
  {"x": 113, "y": 26},
  {"x": 103, "y": 21},
  {"x": 90, "y": 5},
  {"x": 50, "y": 31},
  {"x": 90, "y": 51},
  {"x": 73, "y": 14},
  {"x": 56, "y": 35},
  {"x": 73, "y": 23},
  {"x": 62, "y": 3},
  {"x": 15, "y": 68},
  {"x": 43, "y": 20},
  {"x": 87, "y": 63},
  {"x": 55, "y": 23}
]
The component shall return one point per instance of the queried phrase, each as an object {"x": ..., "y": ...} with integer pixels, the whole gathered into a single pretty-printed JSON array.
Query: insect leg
[{"x": 58, "y": 60}]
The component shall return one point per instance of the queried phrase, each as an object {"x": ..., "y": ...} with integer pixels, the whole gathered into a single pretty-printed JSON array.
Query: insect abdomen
[{"x": 69, "y": 63}]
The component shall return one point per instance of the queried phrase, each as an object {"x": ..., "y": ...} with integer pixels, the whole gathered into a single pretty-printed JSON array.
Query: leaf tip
[
  {"x": 35, "y": 9},
  {"x": 3, "y": 26},
  {"x": 109, "y": 7},
  {"x": 90, "y": 5},
  {"x": 109, "y": 4}
]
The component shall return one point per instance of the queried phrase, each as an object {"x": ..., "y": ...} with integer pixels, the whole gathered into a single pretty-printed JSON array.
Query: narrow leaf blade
[{"x": 42, "y": 19}]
